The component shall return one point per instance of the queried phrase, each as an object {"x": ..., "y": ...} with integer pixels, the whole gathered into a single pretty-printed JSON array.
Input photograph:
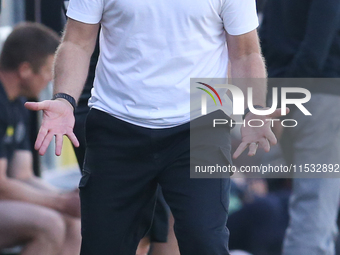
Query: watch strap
[{"x": 67, "y": 97}]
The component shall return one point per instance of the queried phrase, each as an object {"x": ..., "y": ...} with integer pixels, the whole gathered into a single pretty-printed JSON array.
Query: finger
[
  {"x": 252, "y": 149},
  {"x": 36, "y": 106},
  {"x": 33, "y": 106},
  {"x": 58, "y": 144},
  {"x": 73, "y": 139},
  {"x": 240, "y": 149},
  {"x": 40, "y": 138},
  {"x": 45, "y": 143},
  {"x": 271, "y": 138},
  {"x": 264, "y": 144},
  {"x": 276, "y": 113}
]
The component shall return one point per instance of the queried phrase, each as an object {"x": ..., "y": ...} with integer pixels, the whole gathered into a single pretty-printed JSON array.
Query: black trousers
[
  {"x": 158, "y": 232},
  {"x": 123, "y": 165}
]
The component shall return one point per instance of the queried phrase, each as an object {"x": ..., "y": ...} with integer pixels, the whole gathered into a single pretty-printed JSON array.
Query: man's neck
[{"x": 11, "y": 84}]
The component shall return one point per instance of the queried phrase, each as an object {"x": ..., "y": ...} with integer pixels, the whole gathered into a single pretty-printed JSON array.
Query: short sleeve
[
  {"x": 86, "y": 11},
  {"x": 24, "y": 143},
  {"x": 239, "y": 16},
  {"x": 21, "y": 134},
  {"x": 3, "y": 128}
]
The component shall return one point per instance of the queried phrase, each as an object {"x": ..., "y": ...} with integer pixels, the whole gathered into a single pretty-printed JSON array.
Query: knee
[
  {"x": 51, "y": 229},
  {"x": 73, "y": 227},
  {"x": 143, "y": 246}
]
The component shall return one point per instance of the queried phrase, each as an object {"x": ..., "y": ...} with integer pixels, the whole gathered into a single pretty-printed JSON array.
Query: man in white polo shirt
[{"x": 138, "y": 126}]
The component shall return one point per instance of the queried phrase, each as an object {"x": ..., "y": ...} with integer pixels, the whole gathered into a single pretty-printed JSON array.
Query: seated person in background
[
  {"x": 258, "y": 215},
  {"x": 33, "y": 214}
]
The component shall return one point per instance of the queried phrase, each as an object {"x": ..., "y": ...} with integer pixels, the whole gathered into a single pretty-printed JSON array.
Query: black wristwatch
[
  {"x": 246, "y": 111},
  {"x": 67, "y": 97}
]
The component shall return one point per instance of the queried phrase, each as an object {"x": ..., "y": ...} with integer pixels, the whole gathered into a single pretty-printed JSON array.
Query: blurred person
[
  {"x": 137, "y": 131},
  {"x": 258, "y": 223},
  {"x": 33, "y": 214},
  {"x": 338, "y": 240},
  {"x": 301, "y": 39}
]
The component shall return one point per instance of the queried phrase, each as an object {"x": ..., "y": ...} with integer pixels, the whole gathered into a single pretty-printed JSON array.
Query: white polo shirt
[{"x": 149, "y": 50}]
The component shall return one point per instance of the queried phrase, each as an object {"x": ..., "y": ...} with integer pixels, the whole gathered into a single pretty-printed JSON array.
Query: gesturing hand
[
  {"x": 254, "y": 137},
  {"x": 58, "y": 120}
]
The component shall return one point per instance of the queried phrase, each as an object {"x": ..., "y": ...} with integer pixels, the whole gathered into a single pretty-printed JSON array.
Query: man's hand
[
  {"x": 254, "y": 137},
  {"x": 58, "y": 120}
]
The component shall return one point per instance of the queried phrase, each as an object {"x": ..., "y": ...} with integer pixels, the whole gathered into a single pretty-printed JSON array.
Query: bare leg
[
  {"x": 39, "y": 229},
  {"x": 171, "y": 246},
  {"x": 72, "y": 241},
  {"x": 143, "y": 246}
]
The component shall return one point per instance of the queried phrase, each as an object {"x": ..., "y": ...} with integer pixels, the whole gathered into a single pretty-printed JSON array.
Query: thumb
[
  {"x": 36, "y": 106},
  {"x": 277, "y": 113}
]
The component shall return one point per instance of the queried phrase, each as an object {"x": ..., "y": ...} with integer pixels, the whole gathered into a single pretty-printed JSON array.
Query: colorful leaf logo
[{"x": 209, "y": 93}]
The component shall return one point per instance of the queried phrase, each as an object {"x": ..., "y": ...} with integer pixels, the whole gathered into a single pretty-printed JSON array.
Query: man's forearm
[
  {"x": 42, "y": 185},
  {"x": 73, "y": 57},
  {"x": 71, "y": 68},
  {"x": 249, "y": 71},
  {"x": 11, "y": 189}
]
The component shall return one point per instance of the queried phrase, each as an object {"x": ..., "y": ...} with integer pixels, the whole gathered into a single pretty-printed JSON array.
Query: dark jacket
[{"x": 301, "y": 38}]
